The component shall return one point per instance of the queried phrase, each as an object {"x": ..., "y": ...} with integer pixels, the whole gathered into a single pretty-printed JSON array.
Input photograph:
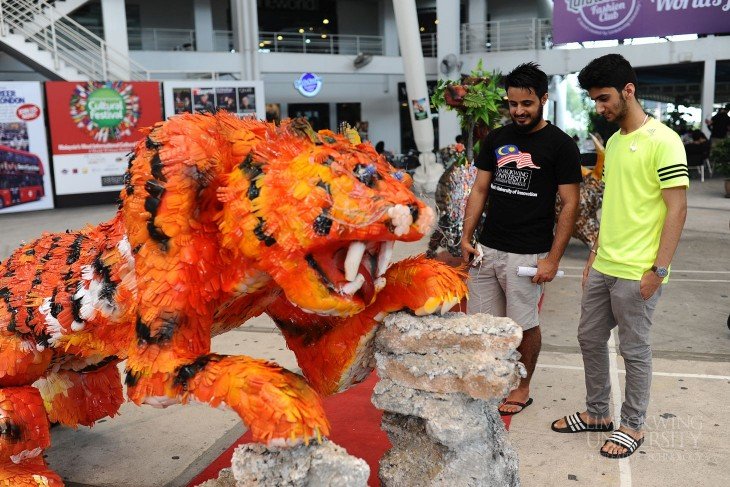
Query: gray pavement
[{"x": 687, "y": 426}]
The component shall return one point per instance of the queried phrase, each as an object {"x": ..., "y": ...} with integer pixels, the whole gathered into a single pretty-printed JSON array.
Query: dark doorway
[
  {"x": 318, "y": 114},
  {"x": 348, "y": 112}
]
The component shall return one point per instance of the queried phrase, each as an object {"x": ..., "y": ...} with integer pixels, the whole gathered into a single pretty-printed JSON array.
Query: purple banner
[{"x": 595, "y": 20}]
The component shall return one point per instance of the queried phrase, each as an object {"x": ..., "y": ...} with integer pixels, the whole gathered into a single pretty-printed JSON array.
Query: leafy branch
[{"x": 476, "y": 98}]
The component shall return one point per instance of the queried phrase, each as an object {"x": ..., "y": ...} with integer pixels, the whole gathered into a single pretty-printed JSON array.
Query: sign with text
[
  {"x": 94, "y": 126},
  {"x": 243, "y": 98},
  {"x": 25, "y": 178},
  {"x": 595, "y": 20}
]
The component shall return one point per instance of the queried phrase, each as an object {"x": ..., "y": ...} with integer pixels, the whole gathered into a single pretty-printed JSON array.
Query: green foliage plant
[{"x": 476, "y": 99}]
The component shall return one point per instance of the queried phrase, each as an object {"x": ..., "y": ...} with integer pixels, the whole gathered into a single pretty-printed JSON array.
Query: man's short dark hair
[
  {"x": 528, "y": 76},
  {"x": 609, "y": 71}
]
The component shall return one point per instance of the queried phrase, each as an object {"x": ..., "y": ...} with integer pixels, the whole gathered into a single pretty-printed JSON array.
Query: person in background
[
  {"x": 698, "y": 137},
  {"x": 380, "y": 149},
  {"x": 718, "y": 125}
]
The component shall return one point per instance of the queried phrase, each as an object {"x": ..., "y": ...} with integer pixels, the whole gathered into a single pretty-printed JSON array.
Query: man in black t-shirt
[
  {"x": 521, "y": 168},
  {"x": 718, "y": 125}
]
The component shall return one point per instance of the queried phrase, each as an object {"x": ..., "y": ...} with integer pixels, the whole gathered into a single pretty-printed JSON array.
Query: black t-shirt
[
  {"x": 526, "y": 171},
  {"x": 720, "y": 124}
]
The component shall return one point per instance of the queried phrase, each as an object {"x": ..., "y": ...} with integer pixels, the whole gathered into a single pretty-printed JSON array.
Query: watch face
[{"x": 662, "y": 272}]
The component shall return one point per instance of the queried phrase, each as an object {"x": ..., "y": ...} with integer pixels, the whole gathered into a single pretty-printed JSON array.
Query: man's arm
[
  {"x": 676, "y": 201},
  {"x": 473, "y": 212},
  {"x": 548, "y": 267}
]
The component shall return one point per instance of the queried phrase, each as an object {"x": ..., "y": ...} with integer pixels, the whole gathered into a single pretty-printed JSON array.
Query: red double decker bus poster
[
  {"x": 94, "y": 126},
  {"x": 25, "y": 181}
]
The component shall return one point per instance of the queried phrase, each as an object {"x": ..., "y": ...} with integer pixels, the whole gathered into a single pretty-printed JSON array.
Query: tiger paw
[{"x": 423, "y": 285}]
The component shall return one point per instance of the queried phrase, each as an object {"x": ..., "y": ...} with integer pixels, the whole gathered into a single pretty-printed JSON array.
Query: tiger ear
[
  {"x": 301, "y": 128},
  {"x": 353, "y": 136}
]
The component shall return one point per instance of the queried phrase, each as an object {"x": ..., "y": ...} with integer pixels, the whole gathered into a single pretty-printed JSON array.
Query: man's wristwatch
[{"x": 660, "y": 271}]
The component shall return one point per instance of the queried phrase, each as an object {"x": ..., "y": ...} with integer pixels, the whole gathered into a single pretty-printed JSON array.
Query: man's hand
[
  {"x": 546, "y": 270},
  {"x": 650, "y": 282},
  {"x": 468, "y": 252},
  {"x": 587, "y": 268}
]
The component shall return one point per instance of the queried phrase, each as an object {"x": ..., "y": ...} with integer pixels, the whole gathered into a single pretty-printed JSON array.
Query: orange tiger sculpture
[{"x": 221, "y": 220}]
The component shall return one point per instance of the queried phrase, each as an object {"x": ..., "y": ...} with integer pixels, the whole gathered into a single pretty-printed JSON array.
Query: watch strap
[{"x": 664, "y": 271}]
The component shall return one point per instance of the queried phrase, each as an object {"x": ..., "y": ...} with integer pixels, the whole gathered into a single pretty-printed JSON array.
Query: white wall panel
[{"x": 377, "y": 95}]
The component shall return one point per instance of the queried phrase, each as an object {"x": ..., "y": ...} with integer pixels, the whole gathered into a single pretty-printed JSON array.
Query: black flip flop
[
  {"x": 575, "y": 424},
  {"x": 624, "y": 440},
  {"x": 523, "y": 405}
]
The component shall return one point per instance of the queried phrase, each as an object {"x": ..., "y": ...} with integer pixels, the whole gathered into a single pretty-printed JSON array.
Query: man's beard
[
  {"x": 622, "y": 109},
  {"x": 524, "y": 129}
]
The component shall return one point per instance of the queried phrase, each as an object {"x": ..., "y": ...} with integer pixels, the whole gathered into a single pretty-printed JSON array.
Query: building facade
[{"x": 350, "y": 46}]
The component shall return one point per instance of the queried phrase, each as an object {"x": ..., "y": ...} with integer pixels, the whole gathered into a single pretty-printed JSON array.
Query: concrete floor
[{"x": 687, "y": 427}]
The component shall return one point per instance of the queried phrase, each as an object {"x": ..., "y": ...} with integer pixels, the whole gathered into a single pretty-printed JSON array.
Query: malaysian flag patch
[{"x": 510, "y": 153}]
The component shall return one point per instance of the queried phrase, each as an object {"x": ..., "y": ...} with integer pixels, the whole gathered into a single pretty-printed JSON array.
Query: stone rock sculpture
[{"x": 442, "y": 379}]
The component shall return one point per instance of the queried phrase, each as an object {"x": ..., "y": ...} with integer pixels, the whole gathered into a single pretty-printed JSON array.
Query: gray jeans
[{"x": 608, "y": 302}]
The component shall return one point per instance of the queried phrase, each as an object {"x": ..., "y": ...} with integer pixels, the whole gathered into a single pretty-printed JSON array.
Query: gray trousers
[{"x": 608, "y": 302}]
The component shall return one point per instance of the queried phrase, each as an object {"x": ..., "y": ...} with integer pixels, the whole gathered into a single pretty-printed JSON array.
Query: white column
[
  {"x": 560, "y": 97},
  {"x": 447, "y": 39},
  {"x": 708, "y": 92},
  {"x": 406, "y": 18},
  {"x": 114, "y": 19},
  {"x": 388, "y": 28},
  {"x": 203, "y": 25},
  {"x": 245, "y": 24},
  {"x": 476, "y": 35},
  {"x": 477, "y": 11},
  {"x": 252, "y": 27},
  {"x": 241, "y": 40}
]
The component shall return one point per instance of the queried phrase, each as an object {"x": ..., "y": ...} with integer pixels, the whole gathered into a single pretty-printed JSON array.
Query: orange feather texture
[{"x": 221, "y": 219}]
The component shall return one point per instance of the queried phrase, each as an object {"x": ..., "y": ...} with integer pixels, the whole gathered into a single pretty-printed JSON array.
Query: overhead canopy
[{"x": 682, "y": 83}]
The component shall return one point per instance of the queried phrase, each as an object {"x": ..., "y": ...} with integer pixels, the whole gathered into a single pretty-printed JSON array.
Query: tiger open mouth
[{"x": 355, "y": 271}]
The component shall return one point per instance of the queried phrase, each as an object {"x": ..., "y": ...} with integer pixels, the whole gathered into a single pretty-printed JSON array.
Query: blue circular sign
[{"x": 308, "y": 84}]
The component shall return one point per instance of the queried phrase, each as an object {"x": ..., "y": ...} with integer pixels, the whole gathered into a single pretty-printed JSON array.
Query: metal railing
[
  {"x": 320, "y": 43},
  {"x": 164, "y": 39},
  {"x": 161, "y": 39},
  {"x": 428, "y": 44},
  {"x": 181, "y": 74},
  {"x": 67, "y": 41},
  {"x": 506, "y": 35}
]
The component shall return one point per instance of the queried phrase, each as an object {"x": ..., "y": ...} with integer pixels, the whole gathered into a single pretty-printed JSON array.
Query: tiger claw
[{"x": 449, "y": 303}]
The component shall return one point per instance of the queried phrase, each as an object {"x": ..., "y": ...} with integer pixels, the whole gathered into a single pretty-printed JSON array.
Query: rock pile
[
  {"x": 442, "y": 379},
  {"x": 325, "y": 465}
]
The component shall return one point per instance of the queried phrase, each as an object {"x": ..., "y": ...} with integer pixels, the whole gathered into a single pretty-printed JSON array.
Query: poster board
[
  {"x": 94, "y": 125},
  {"x": 25, "y": 174},
  {"x": 244, "y": 98}
]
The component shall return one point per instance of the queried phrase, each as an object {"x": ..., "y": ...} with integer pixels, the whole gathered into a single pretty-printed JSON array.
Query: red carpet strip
[{"x": 355, "y": 427}]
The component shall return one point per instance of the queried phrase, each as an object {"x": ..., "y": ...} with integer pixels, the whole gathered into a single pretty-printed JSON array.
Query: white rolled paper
[{"x": 531, "y": 271}]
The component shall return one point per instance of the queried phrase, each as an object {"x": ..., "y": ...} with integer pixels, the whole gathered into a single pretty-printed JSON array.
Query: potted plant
[
  {"x": 720, "y": 159},
  {"x": 476, "y": 98}
]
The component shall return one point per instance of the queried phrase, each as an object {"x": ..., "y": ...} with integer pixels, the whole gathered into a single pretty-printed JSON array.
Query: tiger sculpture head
[{"x": 317, "y": 213}]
